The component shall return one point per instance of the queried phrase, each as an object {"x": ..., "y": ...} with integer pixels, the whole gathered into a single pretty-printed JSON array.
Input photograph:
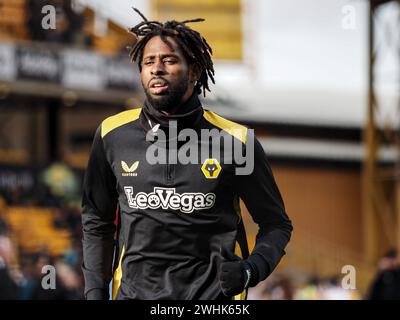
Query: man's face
[{"x": 167, "y": 79}]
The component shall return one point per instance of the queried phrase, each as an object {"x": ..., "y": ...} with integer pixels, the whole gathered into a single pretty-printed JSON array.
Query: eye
[
  {"x": 148, "y": 63},
  {"x": 170, "y": 61}
]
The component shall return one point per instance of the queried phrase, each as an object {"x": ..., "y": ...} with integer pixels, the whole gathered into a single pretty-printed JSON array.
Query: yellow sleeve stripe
[
  {"x": 118, "y": 120},
  {"x": 233, "y": 128},
  {"x": 117, "y": 276}
]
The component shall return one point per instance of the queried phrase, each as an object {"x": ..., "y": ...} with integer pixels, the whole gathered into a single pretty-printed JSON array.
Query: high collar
[{"x": 186, "y": 116}]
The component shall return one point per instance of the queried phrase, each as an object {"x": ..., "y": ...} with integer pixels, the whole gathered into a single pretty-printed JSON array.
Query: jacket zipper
[{"x": 169, "y": 176}]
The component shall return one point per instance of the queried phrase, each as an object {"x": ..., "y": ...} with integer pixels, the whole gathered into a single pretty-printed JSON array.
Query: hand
[{"x": 235, "y": 273}]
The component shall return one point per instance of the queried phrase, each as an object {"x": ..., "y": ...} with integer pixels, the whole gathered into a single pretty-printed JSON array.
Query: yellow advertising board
[{"x": 222, "y": 28}]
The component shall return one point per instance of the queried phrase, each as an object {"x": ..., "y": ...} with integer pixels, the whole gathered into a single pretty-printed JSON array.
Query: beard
[{"x": 171, "y": 99}]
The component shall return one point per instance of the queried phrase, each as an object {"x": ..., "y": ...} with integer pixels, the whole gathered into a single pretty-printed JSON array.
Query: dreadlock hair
[{"x": 194, "y": 46}]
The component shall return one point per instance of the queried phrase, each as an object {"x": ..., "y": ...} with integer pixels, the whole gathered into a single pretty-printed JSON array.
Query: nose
[{"x": 157, "y": 68}]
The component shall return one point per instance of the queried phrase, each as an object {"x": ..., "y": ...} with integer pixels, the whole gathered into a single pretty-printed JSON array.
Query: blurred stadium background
[{"x": 318, "y": 80}]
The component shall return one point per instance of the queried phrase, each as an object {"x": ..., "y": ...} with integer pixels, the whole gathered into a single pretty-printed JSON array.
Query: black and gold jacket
[{"x": 173, "y": 218}]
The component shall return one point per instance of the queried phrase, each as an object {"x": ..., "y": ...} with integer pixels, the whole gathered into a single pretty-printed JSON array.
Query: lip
[{"x": 158, "y": 86}]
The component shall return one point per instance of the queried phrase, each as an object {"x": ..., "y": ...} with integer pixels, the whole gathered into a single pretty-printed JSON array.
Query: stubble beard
[{"x": 171, "y": 99}]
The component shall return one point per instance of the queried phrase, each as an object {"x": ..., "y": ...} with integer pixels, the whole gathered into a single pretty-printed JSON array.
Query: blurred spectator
[
  {"x": 23, "y": 280},
  {"x": 27, "y": 283},
  {"x": 293, "y": 286},
  {"x": 280, "y": 289},
  {"x": 8, "y": 287},
  {"x": 386, "y": 285},
  {"x": 310, "y": 291},
  {"x": 331, "y": 289},
  {"x": 326, "y": 289},
  {"x": 45, "y": 198},
  {"x": 278, "y": 286},
  {"x": 69, "y": 280},
  {"x": 14, "y": 196},
  {"x": 40, "y": 293},
  {"x": 69, "y": 23}
]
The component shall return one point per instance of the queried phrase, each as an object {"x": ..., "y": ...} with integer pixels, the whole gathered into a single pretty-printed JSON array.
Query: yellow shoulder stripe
[
  {"x": 118, "y": 120},
  {"x": 237, "y": 130}
]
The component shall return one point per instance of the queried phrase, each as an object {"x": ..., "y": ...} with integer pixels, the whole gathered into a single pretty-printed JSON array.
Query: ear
[{"x": 194, "y": 73}]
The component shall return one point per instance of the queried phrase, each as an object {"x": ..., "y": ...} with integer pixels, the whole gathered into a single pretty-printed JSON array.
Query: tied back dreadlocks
[{"x": 194, "y": 46}]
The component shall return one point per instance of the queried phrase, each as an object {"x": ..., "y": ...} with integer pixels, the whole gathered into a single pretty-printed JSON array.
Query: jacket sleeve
[
  {"x": 261, "y": 195},
  {"x": 99, "y": 203}
]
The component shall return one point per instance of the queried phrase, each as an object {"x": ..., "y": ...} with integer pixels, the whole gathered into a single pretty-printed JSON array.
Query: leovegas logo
[
  {"x": 129, "y": 171},
  {"x": 168, "y": 198}
]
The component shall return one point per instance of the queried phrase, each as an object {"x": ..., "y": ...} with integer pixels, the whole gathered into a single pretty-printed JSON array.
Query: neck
[
  {"x": 186, "y": 105},
  {"x": 184, "y": 100},
  {"x": 186, "y": 115}
]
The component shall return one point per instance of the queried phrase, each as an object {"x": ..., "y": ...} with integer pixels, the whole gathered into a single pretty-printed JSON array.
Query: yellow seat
[{"x": 33, "y": 229}]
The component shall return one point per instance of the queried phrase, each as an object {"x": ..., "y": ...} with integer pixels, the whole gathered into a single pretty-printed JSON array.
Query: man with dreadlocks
[{"x": 179, "y": 233}]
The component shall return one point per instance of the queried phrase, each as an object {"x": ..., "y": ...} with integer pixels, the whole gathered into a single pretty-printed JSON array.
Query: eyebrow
[{"x": 167, "y": 55}]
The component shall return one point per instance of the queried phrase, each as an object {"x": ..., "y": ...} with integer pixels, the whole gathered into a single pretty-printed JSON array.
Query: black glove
[{"x": 235, "y": 274}]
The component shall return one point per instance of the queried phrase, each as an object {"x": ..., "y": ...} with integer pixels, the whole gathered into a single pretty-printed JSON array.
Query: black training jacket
[{"x": 173, "y": 218}]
